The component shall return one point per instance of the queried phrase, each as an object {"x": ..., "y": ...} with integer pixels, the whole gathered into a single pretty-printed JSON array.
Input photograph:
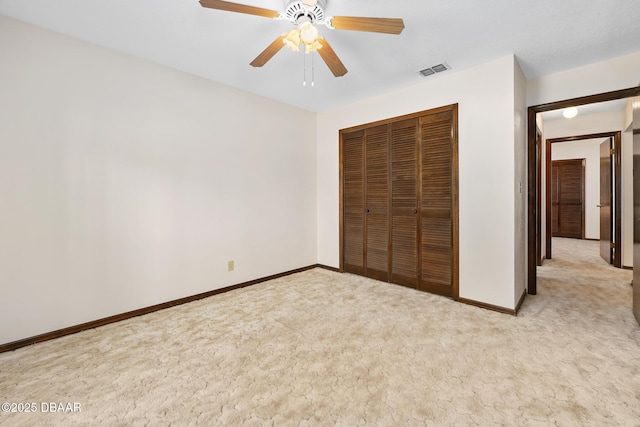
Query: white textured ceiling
[{"x": 545, "y": 35}]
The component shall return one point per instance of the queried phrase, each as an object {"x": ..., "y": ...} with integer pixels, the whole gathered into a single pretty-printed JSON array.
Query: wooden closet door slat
[
  {"x": 353, "y": 201},
  {"x": 377, "y": 202},
  {"x": 404, "y": 202},
  {"x": 436, "y": 203}
]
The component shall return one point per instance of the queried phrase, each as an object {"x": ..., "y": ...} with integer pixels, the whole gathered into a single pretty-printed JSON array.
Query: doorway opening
[
  {"x": 533, "y": 231},
  {"x": 610, "y": 211}
]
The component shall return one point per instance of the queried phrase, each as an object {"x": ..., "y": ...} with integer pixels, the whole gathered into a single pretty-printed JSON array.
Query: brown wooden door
[
  {"x": 636, "y": 226},
  {"x": 554, "y": 199},
  {"x": 404, "y": 202},
  {"x": 377, "y": 202},
  {"x": 606, "y": 202},
  {"x": 567, "y": 198},
  {"x": 436, "y": 213},
  {"x": 353, "y": 202},
  {"x": 636, "y": 210},
  {"x": 538, "y": 207}
]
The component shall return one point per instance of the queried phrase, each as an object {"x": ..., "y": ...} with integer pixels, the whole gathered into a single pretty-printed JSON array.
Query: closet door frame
[{"x": 454, "y": 186}]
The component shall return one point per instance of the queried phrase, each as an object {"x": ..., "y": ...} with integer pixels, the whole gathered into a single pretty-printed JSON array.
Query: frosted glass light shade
[{"x": 570, "y": 113}]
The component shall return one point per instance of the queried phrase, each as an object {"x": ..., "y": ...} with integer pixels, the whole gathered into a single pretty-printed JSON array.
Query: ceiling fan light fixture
[
  {"x": 312, "y": 47},
  {"x": 309, "y": 33},
  {"x": 292, "y": 40}
]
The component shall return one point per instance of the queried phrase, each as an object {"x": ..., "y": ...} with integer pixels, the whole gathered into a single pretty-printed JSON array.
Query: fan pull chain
[
  {"x": 313, "y": 70},
  {"x": 304, "y": 66}
]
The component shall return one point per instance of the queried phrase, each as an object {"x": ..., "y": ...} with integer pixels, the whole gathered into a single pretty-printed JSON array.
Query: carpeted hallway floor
[{"x": 320, "y": 349}]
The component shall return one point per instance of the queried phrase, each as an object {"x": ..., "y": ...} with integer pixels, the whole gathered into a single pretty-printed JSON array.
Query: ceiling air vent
[{"x": 435, "y": 69}]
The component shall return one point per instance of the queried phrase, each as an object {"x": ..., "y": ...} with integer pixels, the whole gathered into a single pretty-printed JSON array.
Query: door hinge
[
  {"x": 612, "y": 245},
  {"x": 612, "y": 151}
]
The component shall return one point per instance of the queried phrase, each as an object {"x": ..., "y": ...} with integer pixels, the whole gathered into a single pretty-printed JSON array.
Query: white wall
[
  {"x": 590, "y": 151},
  {"x": 486, "y": 170},
  {"x": 520, "y": 182},
  {"x": 124, "y": 184},
  {"x": 614, "y": 74},
  {"x": 596, "y": 123}
]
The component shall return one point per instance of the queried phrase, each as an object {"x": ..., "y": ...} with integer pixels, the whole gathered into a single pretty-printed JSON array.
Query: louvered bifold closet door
[
  {"x": 404, "y": 202},
  {"x": 353, "y": 202},
  {"x": 436, "y": 210},
  {"x": 377, "y": 202}
]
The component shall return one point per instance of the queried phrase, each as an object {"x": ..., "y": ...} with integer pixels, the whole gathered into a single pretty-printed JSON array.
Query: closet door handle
[
  {"x": 415, "y": 211},
  {"x": 367, "y": 210}
]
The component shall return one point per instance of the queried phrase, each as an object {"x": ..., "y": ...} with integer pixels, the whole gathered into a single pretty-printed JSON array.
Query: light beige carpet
[{"x": 321, "y": 349}]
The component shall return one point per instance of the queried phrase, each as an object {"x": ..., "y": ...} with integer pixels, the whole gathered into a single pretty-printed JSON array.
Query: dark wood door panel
[
  {"x": 636, "y": 221},
  {"x": 353, "y": 202},
  {"x": 377, "y": 167},
  {"x": 404, "y": 257},
  {"x": 554, "y": 184},
  {"x": 436, "y": 166},
  {"x": 570, "y": 218},
  {"x": 567, "y": 198},
  {"x": 437, "y": 192},
  {"x": 571, "y": 183},
  {"x": 377, "y": 202},
  {"x": 404, "y": 203},
  {"x": 354, "y": 243},
  {"x": 377, "y": 255},
  {"x": 404, "y": 164},
  {"x": 436, "y": 256}
]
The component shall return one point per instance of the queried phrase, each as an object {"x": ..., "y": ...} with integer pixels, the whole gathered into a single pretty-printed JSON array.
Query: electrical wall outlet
[{"x": 230, "y": 266}]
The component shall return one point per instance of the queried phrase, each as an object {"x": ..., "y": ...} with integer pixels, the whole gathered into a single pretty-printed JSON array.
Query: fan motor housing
[{"x": 296, "y": 10}]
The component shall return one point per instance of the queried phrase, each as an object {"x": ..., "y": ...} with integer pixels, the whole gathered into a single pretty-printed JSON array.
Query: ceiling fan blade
[
  {"x": 240, "y": 8},
  {"x": 331, "y": 59},
  {"x": 373, "y": 25},
  {"x": 268, "y": 53}
]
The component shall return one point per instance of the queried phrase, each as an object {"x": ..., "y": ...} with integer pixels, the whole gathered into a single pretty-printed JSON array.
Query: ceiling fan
[{"x": 305, "y": 15}]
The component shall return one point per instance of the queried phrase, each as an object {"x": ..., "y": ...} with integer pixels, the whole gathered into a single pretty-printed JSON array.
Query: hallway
[{"x": 581, "y": 288}]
